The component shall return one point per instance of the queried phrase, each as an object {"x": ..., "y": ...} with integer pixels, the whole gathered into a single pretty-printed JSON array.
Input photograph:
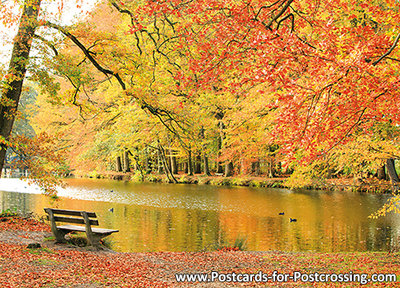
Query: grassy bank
[{"x": 57, "y": 266}]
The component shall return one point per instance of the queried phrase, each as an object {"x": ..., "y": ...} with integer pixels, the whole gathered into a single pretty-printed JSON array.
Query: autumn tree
[
  {"x": 11, "y": 87},
  {"x": 305, "y": 81}
]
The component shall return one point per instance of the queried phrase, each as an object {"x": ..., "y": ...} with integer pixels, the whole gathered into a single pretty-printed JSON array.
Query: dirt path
[{"x": 23, "y": 237}]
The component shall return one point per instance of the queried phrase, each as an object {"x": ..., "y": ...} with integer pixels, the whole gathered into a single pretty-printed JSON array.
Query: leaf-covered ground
[{"x": 60, "y": 267}]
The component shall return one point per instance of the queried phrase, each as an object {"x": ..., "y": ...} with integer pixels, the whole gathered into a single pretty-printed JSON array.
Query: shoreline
[
  {"x": 370, "y": 185},
  {"x": 55, "y": 265}
]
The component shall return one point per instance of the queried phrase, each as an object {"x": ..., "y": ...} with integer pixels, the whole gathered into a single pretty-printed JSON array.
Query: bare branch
[{"x": 291, "y": 16}]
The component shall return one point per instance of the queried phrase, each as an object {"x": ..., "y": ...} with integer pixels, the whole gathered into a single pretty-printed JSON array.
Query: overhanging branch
[
  {"x": 47, "y": 42},
  {"x": 158, "y": 112},
  {"x": 87, "y": 53}
]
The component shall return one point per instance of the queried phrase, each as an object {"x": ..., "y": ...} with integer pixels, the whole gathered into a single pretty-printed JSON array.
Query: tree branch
[
  {"x": 47, "y": 43},
  {"x": 291, "y": 16},
  {"x": 134, "y": 22},
  {"x": 87, "y": 53},
  {"x": 264, "y": 7},
  {"x": 389, "y": 51},
  {"x": 158, "y": 112},
  {"x": 279, "y": 14}
]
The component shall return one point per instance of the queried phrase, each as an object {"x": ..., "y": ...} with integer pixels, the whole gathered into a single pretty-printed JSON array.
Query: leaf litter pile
[{"x": 59, "y": 267}]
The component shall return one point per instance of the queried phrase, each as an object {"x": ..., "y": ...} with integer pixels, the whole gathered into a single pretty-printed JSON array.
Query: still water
[{"x": 162, "y": 217}]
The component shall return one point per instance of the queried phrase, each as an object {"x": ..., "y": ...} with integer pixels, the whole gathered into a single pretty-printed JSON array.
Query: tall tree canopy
[{"x": 311, "y": 81}]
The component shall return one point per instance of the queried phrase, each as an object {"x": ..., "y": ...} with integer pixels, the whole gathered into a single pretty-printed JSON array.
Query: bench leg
[
  {"x": 60, "y": 235},
  {"x": 94, "y": 239}
]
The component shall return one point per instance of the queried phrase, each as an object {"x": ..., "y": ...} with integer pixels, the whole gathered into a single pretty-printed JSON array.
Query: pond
[{"x": 166, "y": 217}]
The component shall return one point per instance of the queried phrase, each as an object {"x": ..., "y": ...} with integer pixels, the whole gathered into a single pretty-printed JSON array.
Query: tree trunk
[
  {"x": 255, "y": 168},
  {"x": 220, "y": 169},
  {"x": 170, "y": 176},
  {"x": 147, "y": 162},
  {"x": 228, "y": 169},
  {"x": 206, "y": 166},
  {"x": 391, "y": 169},
  {"x": 171, "y": 159},
  {"x": 11, "y": 91},
  {"x": 279, "y": 168},
  {"x": 149, "y": 165},
  {"x": 119, "y": 166},
  {"x": 197, "y": 169},
  {"x": 159, "y": 162},
  {"x": 174, "y": 167},
  {"x": 271, "y": 168},
  {"x": 381, "y": 174},
  {"x": 126, "y": 161},
  {"x": 190, "y": 165}
]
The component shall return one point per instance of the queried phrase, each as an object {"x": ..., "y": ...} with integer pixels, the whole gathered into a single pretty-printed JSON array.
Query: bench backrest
[{"x": 78, "y": 219}]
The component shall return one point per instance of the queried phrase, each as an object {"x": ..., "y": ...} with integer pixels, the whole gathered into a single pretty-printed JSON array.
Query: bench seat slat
[
  {"x": 73, "y": 220},
  {"x": 72, "y": 212},
  {"x": 82, "y": 229}
]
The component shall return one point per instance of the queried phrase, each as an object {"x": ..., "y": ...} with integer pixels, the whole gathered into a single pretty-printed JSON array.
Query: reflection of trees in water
[
  {"x": 274, "y": 233},
  {"x": 12, "y": 201},
  {"x": 332, "y": 221},
  {"x": 327, "y": 221},
  {"x": 175, "y": 229}
]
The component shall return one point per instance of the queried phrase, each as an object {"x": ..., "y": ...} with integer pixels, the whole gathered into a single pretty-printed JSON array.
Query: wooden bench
[{"x": 80, "y": 217}]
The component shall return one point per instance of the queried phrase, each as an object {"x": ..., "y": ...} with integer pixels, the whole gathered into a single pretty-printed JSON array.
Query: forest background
[{"x": 306, "y": 89}]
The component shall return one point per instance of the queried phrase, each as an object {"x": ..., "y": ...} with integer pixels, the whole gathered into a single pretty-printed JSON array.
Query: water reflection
[{"x": 156, "y": 217}]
